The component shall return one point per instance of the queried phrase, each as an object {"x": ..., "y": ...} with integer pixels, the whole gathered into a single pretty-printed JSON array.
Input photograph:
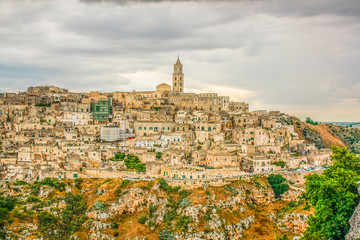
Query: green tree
[
  {"x": 74, "y": 213},
  {"x": 278, "y": 184},
  {"x": 6, "y": 205},
  {"x": 310, "y": 121},
  {"x": 282, "y": 164},
  {"x": 158, "y": 155},
  {"x": 67, "y": 222},
  {"x": 47, "y": 225},
  {"x": 133, "y": 162},
  {"x": 334, "y": 196},
  {"x": 120, "y": 156}
]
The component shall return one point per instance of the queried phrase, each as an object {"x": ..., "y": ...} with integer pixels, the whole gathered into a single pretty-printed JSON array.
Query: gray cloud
[
  {"x": 298, "y": 56},
  {"x": 275, "y": 7}
]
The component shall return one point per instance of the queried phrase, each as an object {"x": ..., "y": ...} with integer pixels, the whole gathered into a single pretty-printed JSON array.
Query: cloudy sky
[{"x": 300, "y": 57}]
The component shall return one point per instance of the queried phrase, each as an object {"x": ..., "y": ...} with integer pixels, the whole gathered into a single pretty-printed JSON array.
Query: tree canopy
[
  {"x": 278, "y": 184},
  {"x": 309, "y": 120},
  {"x": 334, "y": 196},
  {"x": 65, "y": 223}
]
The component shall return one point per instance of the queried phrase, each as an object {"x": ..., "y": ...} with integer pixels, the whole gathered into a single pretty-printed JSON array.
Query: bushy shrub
[
  {"x": 120, "y": 156},
  {"x": 184, "y": 193},
  {"x": 124, "y": 183},
  {"x": 55, "y": 183},
  {"x": 118, "y": 192},
  {"x": 99, "y": 206},
  {"x": 145, "y": 188},
  {"x": 107, "y": 180},
  {"x": 166, "y": 234},
  {"x": 152, "y": 210},
  {"x": 183, "y": 222},
  {"x": 158, "y": 155},
  {"x": 282, "y": 164},
  {"x": 282, "y": 237},
  {"x": 35, "y": 188},
  {"x": 163, "y": 184},
  {"x": 184, "y": 202},
  {"x": 33, "y": 199},
  {"x": 115, "y": 225},
  {"x": 142, "y": 219},
  {"x": 19, "y": 183},
  {"x": 78, "y": 182}
]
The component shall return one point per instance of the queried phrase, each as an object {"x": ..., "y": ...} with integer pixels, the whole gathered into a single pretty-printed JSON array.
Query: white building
[
  {"x": 115, "y": 133},
  {"x": 76, "y": 118},
  {"x": 110, "y": 134}
]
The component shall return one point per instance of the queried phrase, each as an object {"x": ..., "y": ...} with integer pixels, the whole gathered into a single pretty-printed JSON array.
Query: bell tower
[{"x": 178, "y": 77}]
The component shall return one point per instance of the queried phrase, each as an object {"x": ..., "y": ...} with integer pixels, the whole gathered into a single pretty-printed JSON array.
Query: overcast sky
[{"x": 299, "y": 57}]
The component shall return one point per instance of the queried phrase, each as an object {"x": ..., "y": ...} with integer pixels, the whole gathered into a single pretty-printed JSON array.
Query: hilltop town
[
  {"x": 48, "y": 131},
  {"x": 160, "y": 164}
]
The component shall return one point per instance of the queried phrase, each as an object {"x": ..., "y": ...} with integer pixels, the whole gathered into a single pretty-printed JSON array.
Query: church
[
  {"x": 174, "y": 96},
  {"x": 177, "y": 80}
]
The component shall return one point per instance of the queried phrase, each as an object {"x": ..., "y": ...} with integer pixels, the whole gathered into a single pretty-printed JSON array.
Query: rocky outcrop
[
  {"x": 313, "y": 136},
  {"x": 354, "y": 232}
]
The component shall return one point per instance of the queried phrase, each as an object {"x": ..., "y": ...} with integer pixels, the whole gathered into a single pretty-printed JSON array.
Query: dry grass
[
  {"x": 198, "y": 196},
  {"x": 129, "y": 226}
]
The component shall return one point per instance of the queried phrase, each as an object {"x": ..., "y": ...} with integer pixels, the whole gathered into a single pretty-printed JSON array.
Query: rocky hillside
[
  {"x": 327, "y": 135},
  {"x": 123, "y": 209}
]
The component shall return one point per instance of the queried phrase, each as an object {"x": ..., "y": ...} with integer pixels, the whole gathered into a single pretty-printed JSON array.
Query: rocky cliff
[
  {"x": 119, "y": 209},
  {"x": 354, "y": 232}
]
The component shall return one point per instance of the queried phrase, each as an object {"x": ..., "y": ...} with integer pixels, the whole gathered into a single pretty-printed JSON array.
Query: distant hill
[
  {"x": 345, "y": 124},
  {"x": 326, "y": 134}
]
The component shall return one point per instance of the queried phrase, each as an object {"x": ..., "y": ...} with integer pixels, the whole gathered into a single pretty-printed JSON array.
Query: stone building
[{"x": 178, "y": 77}]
